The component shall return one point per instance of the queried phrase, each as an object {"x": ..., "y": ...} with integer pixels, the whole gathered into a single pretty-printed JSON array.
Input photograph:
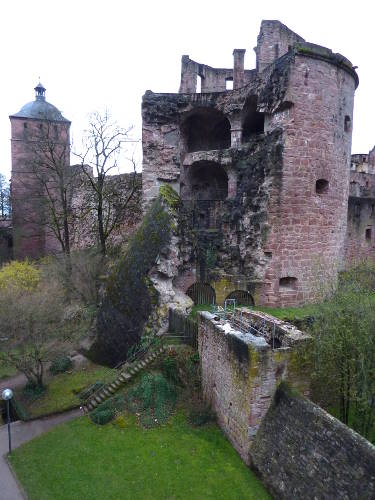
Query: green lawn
[
  {"x": 7, "y": 371},
  {"x": 61, "y": 390},
  {"x": 284, "y": 313},
  {"x": 80, "y": 460},
  {"x": 290, "y": 313}
]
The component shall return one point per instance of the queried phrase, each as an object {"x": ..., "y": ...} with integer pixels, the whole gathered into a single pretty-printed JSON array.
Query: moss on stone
[
  {"x": 130, "y": 296},
  {"x": 169, "y": 196}
]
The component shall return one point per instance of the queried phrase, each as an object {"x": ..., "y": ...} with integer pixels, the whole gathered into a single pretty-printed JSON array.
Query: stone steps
[{"x": 123, "y": 378}]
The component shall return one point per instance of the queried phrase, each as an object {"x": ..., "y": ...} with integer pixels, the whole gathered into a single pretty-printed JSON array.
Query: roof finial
[{"x": 40, "y": 92}]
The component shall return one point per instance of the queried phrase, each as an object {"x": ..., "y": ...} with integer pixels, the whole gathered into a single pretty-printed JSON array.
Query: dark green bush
[
  {"x": 102, "y": 416},
  {"x": 33, "y": 391},
  {"x": 60, "y": 365},
  {"x": 106, "y": 411},
  {"x": 201, "y": 414},
  {"x": 169, "y": 368},
  {"x": 154, "y": 399},
  {"x": 189, "y": 368},
  {"x": 17, "y": 410}
]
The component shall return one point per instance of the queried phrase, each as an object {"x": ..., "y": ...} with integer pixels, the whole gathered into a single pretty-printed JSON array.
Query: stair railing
[{"x": 134, "y": 358}]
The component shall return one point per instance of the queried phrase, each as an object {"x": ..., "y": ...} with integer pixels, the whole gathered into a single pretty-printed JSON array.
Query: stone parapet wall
[
  {"x": 240, "y": 373},
  {"x": 300, "y": 451}
]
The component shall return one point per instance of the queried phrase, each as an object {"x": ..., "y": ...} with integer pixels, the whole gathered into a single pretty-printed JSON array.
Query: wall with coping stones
[
  {"x": 300, "y": 451},
  {"x": 240, "y": 373}
]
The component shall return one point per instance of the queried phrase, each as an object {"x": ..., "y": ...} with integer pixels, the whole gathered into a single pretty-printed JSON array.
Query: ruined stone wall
[
  {"x": 274, "y": 40},
  {"x": 308, "y": 227},
  {"x": 84, "y": 230},
  {"x": 279, "y": 227},
  {"x": 239, "y": 376},
  {"x": 360, "y": 237},
  {"x": 212, "y": 79},
  {"x": 300, "y": 451}
]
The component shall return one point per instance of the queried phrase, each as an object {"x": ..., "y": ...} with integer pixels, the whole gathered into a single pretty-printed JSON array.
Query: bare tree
[
  {"x": 109, "y": 196},
  {"x": 56, "y": 181},
  {"x": 4, "y": 197},
  {"x": 32, "y": 328}
]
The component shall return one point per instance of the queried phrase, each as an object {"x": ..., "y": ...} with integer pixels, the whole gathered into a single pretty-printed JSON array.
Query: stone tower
[
  {"x": 261, "y": 159},
  {"x": 38, "y": 131}
]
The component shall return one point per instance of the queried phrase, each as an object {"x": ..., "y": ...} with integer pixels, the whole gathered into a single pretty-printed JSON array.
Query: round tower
[{"x": 38, "y": 132}]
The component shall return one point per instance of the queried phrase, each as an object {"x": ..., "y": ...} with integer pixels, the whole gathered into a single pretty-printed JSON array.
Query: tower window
[
  {"x": 25, "y": 126},
  {"x": 368, "y": 234},
  {"x": 347, "y": 124},
  {"x": 321, "y": 186}
]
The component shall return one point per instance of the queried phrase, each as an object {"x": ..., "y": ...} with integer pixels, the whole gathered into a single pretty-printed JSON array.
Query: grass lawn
[
  {"x": 61, "y": 389},
  {"x": 290, "y": 313},
  {"x": 284, "y": 313},
  {"x": 7, "y": 371},
  {"x": 80, "y": 460}
]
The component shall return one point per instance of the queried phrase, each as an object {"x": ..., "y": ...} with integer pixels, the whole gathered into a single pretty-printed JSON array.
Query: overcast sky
[{"x": 95, "y": 54}]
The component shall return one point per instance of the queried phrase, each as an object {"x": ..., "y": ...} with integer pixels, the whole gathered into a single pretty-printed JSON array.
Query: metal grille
[
  {"x": 202, "y": 293},
  {"x": 242, "y": 298}
]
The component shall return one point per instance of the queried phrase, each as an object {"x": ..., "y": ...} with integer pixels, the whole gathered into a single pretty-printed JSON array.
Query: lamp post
[{"x": 7, "y": 395}]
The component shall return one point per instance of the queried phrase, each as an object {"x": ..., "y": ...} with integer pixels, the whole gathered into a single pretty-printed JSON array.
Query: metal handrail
[{"x": 137, "y": 356}]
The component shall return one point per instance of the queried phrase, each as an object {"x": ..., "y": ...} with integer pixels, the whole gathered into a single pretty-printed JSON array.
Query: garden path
[{"x": 22, "y": 432}]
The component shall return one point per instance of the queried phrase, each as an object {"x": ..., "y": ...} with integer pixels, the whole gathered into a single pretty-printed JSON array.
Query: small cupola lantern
[{"x": 40, "y": 92}]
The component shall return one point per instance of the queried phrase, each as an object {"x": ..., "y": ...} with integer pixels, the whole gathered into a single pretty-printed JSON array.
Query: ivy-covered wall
[{"x": 129, "y": 295}]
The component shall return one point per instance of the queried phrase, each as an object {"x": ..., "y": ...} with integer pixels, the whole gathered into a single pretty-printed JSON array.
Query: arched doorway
[
  {"x": 206, "y": 129},
  {"x": 242, "y": 297},
  {"x": 205, "y": 180},
  {"x": 201, "y": 293}
]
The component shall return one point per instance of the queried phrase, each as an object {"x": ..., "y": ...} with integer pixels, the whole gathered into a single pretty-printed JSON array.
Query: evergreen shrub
[{"x": 60, "y": 365}]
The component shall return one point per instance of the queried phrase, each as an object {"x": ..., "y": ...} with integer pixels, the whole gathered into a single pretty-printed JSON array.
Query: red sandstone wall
[
  {"x": 240, "y": 376},
  {"x": 308, "y": 229},
  {"x": 274, "y": 40}
]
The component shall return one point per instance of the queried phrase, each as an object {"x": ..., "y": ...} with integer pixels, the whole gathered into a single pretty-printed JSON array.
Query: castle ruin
[
  {"x": 272, "y": 202},
  {"x": 263, "y": 169}
]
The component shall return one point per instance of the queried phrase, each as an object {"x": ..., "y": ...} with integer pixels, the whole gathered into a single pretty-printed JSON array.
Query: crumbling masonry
[
  {"x": 261, "y": 160},
  {"x": 263, "y": 169}
]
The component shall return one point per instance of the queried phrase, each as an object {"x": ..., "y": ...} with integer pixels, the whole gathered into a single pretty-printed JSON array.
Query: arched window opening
[
  {"x": 347, "y": 123},
  {"x": 205, "y": 181},
  {"x": 321, "y": 186},
  {"x": 201, "y": 293},
  {"x": 242, "y": 297},
  {"x": 229, "y": 83},
  {"x": 252, "y": 121},
  {"x": 206, "y": 129},
  {"x": 288, "y": 283}
]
